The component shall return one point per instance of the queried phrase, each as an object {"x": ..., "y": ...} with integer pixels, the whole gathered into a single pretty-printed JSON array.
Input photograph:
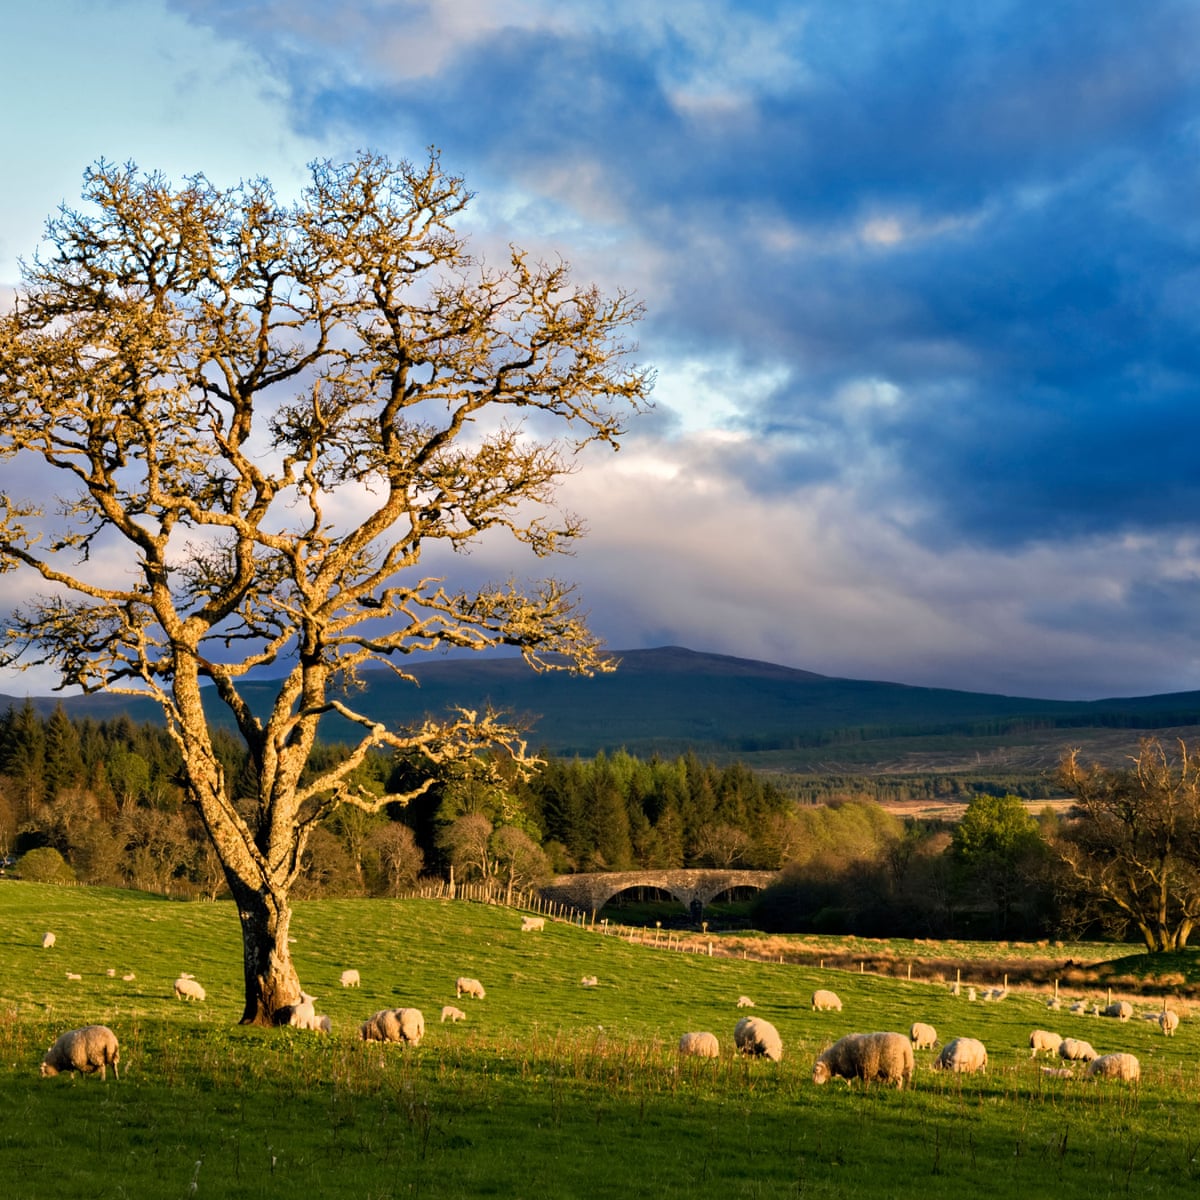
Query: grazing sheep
[
  {"x": 753, "y": 1035},
  {"x": 129, "y": 977},
  {"x": 1168, "y": 1022},
  {"x": 590, "y": 981},
  {"x": 450, "y": 1013},
  {"x": 74, "y": 976},
  {"x": 1059, "y": 1072},
  {"x": 48, "y": 940},
  {"x": 1116, "y": 1066},
  {"x": 963, "y": 1055},
  {"x": 1043, "y": 1039},
  {"x": 996, "y": 993},
  {"x": 533, "y": 924},
  {"x": 92, "y": 1048},
  {"x": 1076, "y": 1050},
  {"x": 886, "y": 1057},
  {"x": 1080, "y": 1006},
  {"x": 922, "y": 1036},
  {"x": 468, "y": 987},
  {"x": 1054, "y": 1002},
  {"x": 825, "y": 1001},
  {"x": 700, "y": 1045},
  {"x": 1121, "y": 1009},
  {"x": 349, "y": 978},
  {"x": 187, "y": 987},
  {"x": 745, "y": 1002},
  {"x": 394, "y": 1025},
  {"x": 111, "y": 972}
]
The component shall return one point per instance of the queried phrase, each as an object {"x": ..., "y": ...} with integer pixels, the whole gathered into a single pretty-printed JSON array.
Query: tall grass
[{"x": 548, "y": 1089}]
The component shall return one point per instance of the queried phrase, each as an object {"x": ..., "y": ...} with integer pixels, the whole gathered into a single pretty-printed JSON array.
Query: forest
[{"x": 101, "y": 802}]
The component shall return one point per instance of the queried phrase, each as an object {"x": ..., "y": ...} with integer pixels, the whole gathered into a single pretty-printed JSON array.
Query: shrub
[{"x": 45, "y": 865}]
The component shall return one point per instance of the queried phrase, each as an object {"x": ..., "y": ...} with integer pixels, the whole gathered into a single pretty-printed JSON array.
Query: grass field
[{"x": 548, "y": 1089}]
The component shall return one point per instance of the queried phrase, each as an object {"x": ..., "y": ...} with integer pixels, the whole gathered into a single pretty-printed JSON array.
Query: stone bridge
[{"x": 692, "y": 888}]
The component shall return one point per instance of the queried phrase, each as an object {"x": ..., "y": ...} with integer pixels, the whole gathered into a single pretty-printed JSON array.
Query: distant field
[{"x": 548, "y": 1089}]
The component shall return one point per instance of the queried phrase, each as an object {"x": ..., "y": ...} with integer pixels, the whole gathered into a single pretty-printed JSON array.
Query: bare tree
[
  {"x": 259, "y": 415},
  {"x": 1132, "y": 844}
]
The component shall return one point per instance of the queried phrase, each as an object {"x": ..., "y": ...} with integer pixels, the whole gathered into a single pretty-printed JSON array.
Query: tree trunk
[{"x": 271, "y": 980}]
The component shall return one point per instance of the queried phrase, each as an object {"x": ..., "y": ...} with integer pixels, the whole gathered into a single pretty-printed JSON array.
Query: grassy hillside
[{"x": 548, "y": 1089}]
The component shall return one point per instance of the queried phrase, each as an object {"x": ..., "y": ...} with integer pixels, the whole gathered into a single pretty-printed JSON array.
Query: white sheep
[
  {"x": 469, "y": 987},
  {"x": 302, "y": 1014},
  {"x": 48, "y": 940},
  {"x": 1058, "y": 1072},
  {"x": 1168, "y": 1022},
  {"x": 450, "y": 1013},
  {"x": 963, "y": 1055},
  {"x": 589, "y": 981},
  {"x": 1076, "y": 1050},
  {"x": 1116, "y": 1066},
  {"x": 922, "y": 1036},
  {"x": 882, "y": 1057},
  {"x": 745, "y": 1002},
  {"x": 394, "y": 1025},
  {"x": 825, "y": 1001},
  {"x": 74, "y": 976},
  {"x": 92, "y": 1048},
  {"x": 187, "y": 987},
  {"x": 1080, "y": 1007},
  {"x": 533, "y": 924},
  {"x": 1043, "y": 1039},
  {"x": 350, "y": 978},
  {"x": 322, "y": 1024},
  {"x": 700, "y": 1045},
  {"x": 753, "y": 1035},
  {"x": 1121, "y": 1009},
  {"x": 129, "y": 977}
]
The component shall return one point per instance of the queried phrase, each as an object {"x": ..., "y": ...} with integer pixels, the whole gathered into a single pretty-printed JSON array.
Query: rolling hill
[{"x": 670, "y": 700}]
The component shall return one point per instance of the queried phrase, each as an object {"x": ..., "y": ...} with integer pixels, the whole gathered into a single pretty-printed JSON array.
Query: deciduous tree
[{"x": 258, "y": 416}]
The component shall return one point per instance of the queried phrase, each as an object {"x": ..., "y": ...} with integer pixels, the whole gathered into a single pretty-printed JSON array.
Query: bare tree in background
[{"x": 256, "y": 416}]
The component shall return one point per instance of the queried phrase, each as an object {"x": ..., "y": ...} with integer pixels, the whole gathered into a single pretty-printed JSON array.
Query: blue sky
[{"x": 921, "y": 283}]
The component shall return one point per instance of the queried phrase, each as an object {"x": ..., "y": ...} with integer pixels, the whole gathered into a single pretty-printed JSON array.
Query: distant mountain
[{"x": 670, "y": 700}]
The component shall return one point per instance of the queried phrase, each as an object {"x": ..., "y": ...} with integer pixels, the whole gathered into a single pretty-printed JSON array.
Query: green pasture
[{"x": 549, "y": 1089}]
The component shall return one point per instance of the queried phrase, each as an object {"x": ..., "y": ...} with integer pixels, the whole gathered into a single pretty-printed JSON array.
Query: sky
[{"x": 921, "y": 282}]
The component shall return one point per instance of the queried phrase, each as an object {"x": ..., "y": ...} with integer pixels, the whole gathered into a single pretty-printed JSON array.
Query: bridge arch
[{"x": 694, "y": 889}]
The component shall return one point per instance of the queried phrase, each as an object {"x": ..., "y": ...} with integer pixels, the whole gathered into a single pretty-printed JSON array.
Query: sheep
[
  {"x": 825, "y": 1001},
  {"x": 469, "y": 987},
  {"x": 187, "y": 987},
  {"x": 962, "y": 1055},
  {"x": 1043, "y": 1039},
  {"x": 996, "y": 993},
  {"x": 1115, "y": 1066},
  {"x": 1168, "y": 1022},
  {"x": 886, "y": 1057},
  {"x": 301, "y": 1015},
  {"x": 1058, "y": 1072},
  {"x": 745, "y": 1002},
  {"x": 700, "y": 1045},
  {"x": 922, "y": 1036},
  {"x": 350, "y": 978},
  {"x": 74, "y": 976},
  {"x": 1076, "y": 1050},
  {"x": 533, "y": 924},
  {"x": 48, "y": 940},
  {"x": 129, "y": 977},
  {"x": 92, "y": 1048},
  {"x": 1080, "y": 1006},
  {"x": 589, "y": 981},
  {"x": 111, "y": 972},
  {"x": 394, "y": 1025},
  {"x": 450, "y": 1013},
  {"x": 1121, "y": 1009},
  {"x": 753, "y": 1035}
]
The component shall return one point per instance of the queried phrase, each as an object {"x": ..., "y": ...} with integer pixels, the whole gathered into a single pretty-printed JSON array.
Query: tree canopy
[{"x": 260, "y": 415}]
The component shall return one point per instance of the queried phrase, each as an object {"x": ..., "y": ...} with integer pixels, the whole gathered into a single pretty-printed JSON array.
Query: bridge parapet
[{"x": 691, "y": 887}]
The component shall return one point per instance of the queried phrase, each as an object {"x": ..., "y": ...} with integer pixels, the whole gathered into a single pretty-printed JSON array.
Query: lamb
[
  {"x": 92, "y": 1048},
  {"x": 350, "y": 978},
  {"x": 187, "y": 987},
  {"x": 129, "y": 977},
  {"x": 74, "y": 976},
  {"x": 533, "y": 924},
  {"x": 753, "y": 1035},
  {"x": 301, "y": 1015},
  {"x": 1168, "y": 1022},
  {"x": 48, "y": 940},
  {"x": 962, "y": 1055},
  {"x": 589, "y": 981},
  {"x": 322, "y": 1024},
  {"x": 1116, "y": 1066},
  {"x": 1121, "y": 1009},
  {"x": 1076, "y": 1050},
  {"x": 922, "y": 1036},
  {"x": 745, "y": 1002},
  {"x": 469, "y": 987},
  {"x": 450, "y": 1013},
  {"x": 1043, "y": 1039},
  {"x": 394, "y": 1025},
  {"x": 886, "y": 1057},
  {"x": 825, "y": 1001},
  {"x": 996, "y": 993},
  {"x": 700, "y": 1045}
]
